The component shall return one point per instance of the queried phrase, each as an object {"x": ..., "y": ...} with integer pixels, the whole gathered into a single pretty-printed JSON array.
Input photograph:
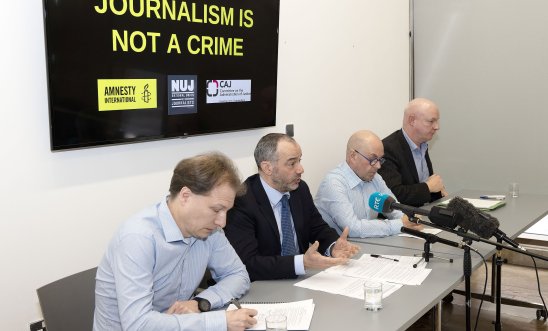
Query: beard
[{"x": 286, "y": 185}]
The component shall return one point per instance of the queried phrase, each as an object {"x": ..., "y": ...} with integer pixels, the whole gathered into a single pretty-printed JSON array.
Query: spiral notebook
[{"x": 299, "y": 313}]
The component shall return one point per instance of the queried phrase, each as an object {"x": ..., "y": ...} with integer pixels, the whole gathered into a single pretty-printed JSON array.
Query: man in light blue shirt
[
  {"x": 157, "y": 258},
  {"x": 343, "y": 195}
]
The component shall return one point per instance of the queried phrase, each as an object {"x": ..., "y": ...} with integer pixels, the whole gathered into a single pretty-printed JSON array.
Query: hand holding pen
[
  {"x": 241, "y": 316},
  {"x": 236, "y": 303}
]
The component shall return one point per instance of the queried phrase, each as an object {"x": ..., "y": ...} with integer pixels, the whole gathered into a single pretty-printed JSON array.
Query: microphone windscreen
[
  {"x": 465, "y": 209},
  {"x": 487, "y": 225},
  {"x": 380, "y": 202},
  {"x": 482, "y": 224}
]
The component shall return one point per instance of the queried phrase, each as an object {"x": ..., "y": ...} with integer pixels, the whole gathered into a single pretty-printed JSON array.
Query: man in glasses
[
  {"x": 408, "y": 170},
  {"x": 343, "y": 195}
]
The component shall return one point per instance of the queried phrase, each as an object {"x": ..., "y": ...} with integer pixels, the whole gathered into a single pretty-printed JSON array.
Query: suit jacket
[
  {"x": 252, "y": 230},
  {"x": 400, "y": 173}
]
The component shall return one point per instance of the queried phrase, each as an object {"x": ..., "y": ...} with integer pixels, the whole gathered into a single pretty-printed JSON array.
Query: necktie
[{"x": 288, "y": 235}]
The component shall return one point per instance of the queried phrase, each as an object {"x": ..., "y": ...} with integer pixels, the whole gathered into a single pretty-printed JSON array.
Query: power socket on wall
[
  {"x": 289, "y": 130},
  {"x": 37, "y": 326}
]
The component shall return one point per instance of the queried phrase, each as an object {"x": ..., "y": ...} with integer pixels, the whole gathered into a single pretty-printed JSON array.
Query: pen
[
  {"x": 235, "y": 303},
  {"x": 384, "y": 257},
  {"x": 496, "y": 197}
]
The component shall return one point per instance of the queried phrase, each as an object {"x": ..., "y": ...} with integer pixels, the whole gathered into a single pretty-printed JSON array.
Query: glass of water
[
  {"x": 276, "y": 321},
  {"x": 372, "y": 294}
]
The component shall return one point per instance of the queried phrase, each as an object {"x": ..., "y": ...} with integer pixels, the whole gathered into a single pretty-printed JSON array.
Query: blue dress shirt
[
  {"x": 149, "y": 265},
  {"x": 343, "y": 200},
  {"x": 419, "y": 156}
]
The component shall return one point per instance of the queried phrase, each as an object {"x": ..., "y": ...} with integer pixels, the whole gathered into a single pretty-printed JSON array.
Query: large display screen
[{"x": 122, "y": 71}]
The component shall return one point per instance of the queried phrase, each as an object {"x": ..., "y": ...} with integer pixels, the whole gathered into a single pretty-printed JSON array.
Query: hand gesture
[{"x": 343, "y": 248}]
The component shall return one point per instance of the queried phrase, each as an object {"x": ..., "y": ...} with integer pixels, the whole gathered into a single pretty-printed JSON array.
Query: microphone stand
[
  {"x": 495, "y": 297},
  {"x": 467, "y": 271},
  {"x": 498, "y": 291},
  {"x": 466, "y": 262},
  {"x": 426, "y": 254}
]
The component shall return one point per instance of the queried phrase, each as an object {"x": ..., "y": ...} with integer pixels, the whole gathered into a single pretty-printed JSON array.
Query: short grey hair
[{"x": 267, "y": 147}]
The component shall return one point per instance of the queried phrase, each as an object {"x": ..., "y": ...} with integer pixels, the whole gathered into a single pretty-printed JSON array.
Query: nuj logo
[{"x": 182, "y": 85}]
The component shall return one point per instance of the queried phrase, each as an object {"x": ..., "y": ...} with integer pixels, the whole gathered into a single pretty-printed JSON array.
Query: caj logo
[{"x": 212, "y": 88}]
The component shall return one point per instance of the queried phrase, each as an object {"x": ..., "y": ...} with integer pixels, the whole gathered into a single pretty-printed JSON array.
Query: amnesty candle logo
[{"x": 123, "y": 94}]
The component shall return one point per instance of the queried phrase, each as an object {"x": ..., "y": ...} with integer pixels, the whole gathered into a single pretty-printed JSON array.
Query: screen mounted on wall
[{"x": 122, "y": 71}]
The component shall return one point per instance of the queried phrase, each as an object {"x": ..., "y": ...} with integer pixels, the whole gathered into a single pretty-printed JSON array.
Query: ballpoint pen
[
  {"x": 384, "y": 257},
  {"x": 235, "y": 303},
  {"x": 495, "y": 197}
]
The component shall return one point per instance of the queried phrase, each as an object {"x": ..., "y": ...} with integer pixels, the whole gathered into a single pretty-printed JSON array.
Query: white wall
[
  {"x": 343, "y": 66},
  {"x": 485, "y": 62}
]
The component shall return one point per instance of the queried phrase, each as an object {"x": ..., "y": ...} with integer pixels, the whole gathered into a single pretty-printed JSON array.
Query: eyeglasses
[{"x": 373, "y": 161}]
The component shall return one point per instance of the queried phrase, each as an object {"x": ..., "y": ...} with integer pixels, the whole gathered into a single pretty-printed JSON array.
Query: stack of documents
[{"x": 348, "y": 279}]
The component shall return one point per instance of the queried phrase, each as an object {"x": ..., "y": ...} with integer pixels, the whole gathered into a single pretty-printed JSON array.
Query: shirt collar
[
  {"x": 169, "y": 226},
  {"x": 350, "y": 175},
  {"x": 412, "y": 144}
]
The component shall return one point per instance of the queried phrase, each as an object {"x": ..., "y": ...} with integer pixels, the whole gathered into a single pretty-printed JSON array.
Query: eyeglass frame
[{"x": 372, "y": 163}]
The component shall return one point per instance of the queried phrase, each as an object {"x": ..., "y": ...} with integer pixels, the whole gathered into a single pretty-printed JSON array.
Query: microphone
[
  {"x": 384, "y": 203},
  {"x": 481, "y": 223},
  {"x": 432, "y": 238}
]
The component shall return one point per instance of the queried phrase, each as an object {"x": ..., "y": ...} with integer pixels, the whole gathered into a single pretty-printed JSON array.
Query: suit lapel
[
  {"x": 265, "y": 208},
  {"x": 408, "y": 155}
]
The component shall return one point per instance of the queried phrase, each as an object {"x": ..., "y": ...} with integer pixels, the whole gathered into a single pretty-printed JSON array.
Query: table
[{"x": 408, "y": 304}]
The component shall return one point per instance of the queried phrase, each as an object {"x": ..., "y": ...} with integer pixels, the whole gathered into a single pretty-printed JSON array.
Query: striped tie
[{"x": 288, "y": 235}]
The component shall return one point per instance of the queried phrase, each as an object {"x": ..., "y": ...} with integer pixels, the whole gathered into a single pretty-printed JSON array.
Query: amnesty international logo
[
  {"x": 124, "y": 94},
  {"x": 146, "y": 95}
]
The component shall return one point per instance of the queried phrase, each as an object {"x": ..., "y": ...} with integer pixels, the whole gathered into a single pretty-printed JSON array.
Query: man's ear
[
  {"x": 411, "y": 119},
  {"x": 184, "y": 194},
  {"x": 266, "y": 167}
]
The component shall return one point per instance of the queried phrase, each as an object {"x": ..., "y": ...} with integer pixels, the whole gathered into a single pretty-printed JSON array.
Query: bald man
[
  {"x": 343, "y": 195},
  {"x": 408, "y": 170}
]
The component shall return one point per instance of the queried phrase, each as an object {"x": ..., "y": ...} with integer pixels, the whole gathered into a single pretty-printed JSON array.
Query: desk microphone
[
  {"x": 384, "y": 203},
  {"x": 481, "y": 223}
]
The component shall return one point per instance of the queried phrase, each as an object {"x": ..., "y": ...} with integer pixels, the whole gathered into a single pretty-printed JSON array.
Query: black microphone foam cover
[{"x": 482, "y": 224}]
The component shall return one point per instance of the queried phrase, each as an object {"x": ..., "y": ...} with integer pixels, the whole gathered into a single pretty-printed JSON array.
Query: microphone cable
[
  {"x": 484, "y": 288},
  {"x": 539, "y": 292}
]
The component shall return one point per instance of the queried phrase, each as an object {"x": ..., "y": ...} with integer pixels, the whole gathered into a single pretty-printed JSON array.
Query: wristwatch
[{"x": 203, "y": 304}]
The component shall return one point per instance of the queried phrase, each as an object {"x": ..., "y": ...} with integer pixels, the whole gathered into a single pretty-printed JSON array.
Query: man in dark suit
[
  {"x": 274, "y": 243},
  {"x": 408, "y": 170}
]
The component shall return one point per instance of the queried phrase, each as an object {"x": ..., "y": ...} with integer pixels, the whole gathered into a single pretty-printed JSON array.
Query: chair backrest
[{"x": 68, "y": 304}]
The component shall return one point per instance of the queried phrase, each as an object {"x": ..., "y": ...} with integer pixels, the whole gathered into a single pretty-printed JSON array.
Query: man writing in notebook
[
  {"x": 408, "y": 171},
  {"x": 343, "y": 195},
  {"x": 275, "y": 227},
  {"x": 155, "y": 261}
]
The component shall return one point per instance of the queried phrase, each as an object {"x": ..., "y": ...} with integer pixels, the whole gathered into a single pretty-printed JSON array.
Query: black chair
[{"x": 68, "y": 304}]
